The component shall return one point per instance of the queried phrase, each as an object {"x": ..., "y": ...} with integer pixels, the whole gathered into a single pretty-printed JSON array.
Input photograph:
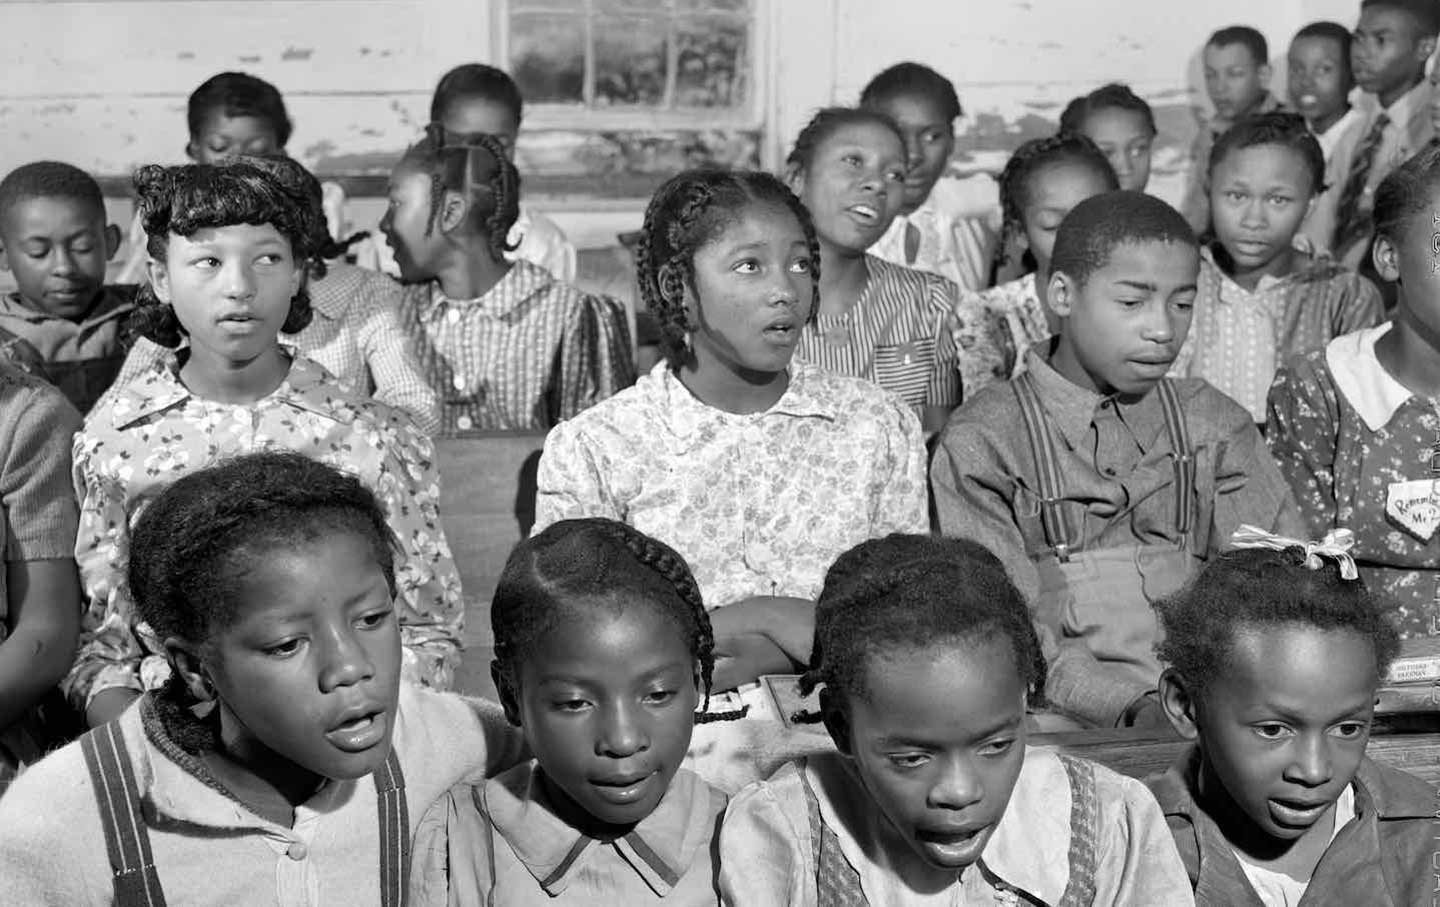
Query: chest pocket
[{"x": 904, "y": 368}]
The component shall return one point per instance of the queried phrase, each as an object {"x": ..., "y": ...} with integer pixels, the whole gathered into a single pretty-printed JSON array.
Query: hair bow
[{"x": 1335, "y": 545}]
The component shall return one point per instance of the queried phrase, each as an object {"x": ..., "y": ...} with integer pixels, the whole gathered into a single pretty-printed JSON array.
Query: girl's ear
[
  {"x": 508, "y": 700},
  {"x": 1060, "y": 293},
  {"x": 832, "y": 712},
  {"x": 112, "y": 241},
  {"x": 159, "y": 279},
  {"x": 1177, "y": 698},
  {"x": 190, "y": 151},
  {"x": 454, "y": 210},
  {"x": 1387, "y": 258},
  {"x": 188, "y": 665},
  {"x": 795, "y": 178}
]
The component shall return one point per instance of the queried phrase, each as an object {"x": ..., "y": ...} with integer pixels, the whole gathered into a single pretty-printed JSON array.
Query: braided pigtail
[{"x": 1029, "y": 159}]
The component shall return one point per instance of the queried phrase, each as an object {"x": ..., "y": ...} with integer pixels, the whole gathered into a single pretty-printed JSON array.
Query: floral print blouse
[
  {"x": 154, "y": 431},
  {"x": 1356, "y": 447},
  {"x": 994, "y": 328},
  {"x": 758, "y": 504}
]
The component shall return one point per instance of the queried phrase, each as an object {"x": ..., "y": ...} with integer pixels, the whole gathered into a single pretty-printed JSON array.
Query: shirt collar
[
  {"x": 1408, "y": 104},
  {"x": 110, "y": 306},
  {"x": 1230, "y": 291},
  {"x": 1070, "y": 407},
  {"x": 523, "y": 280},
  {"x": 690, "y": 418},
  {"x": 306, "y": 386},
  {"x": 330, "y": 295},
  {"x": 1372, "y": 391},
  {"x": 659, "y": 849}
]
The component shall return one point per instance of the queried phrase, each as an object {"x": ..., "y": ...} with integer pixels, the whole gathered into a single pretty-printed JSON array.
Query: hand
[
  {"x": 742, "y": 658},
  {"x": 108, "y": 704}
]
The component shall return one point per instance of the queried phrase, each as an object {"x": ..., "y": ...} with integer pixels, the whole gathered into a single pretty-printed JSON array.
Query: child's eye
[
  {"x": 1279, "y": 201},
  {"x": 1235, "y": 195},
  {"x": 659, "y": 697},
  {"x": 271, "y": 258},
  {"x": 571, "y": 705},
  {"x": 207, "y": 261},
  {"x": 746, "y": 266},
  {"x": 1350, "y": 729},
  {"x": 852, "y": 159},
  {"x": 83, "y": 248},
  {"x": 997, "y": 748},
  {"x": 908, "y": 760},
  {"x": 1272, "y": 731},
  {"x": 801, "y": 266},
  {"x": 932, "y": 136},
  {"x": 284, "y": 649},
  {"x": 895, "y": 176},
  {"x": 376, "y": 619}
]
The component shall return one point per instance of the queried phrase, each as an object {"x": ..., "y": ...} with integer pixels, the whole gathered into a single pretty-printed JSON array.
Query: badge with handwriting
[{"x": 1415, "y": 507}]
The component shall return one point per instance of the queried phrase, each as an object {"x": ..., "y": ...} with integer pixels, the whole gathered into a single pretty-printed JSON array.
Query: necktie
[{"x": 1353, "y": 222}]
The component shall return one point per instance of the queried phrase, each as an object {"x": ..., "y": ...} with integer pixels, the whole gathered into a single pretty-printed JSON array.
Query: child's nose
[
  {"x": 622, "y": 734},
  {"x": 344, "y": 662},
  {"x": 958, "y": 787},
  {"x": 1311, "y": 765},
  {"x": 239, "y": 282}
]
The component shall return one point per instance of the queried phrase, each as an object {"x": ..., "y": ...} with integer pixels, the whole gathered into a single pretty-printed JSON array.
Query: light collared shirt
[
  {"x": 82, "y": 357},
  {"x": 758, "y": 503},
  {"x": 154, "y": 430},
  {"x": 1345, "y": 432},
  {"x": 1239, "y": 337},
  {"x": 208, "y": 848},
  {"x": 958, "y": 227},
  {"x": 994, "y": 328},
  {"x": 529, "y": 353},
  {"x": 501, "y": 844},
  {"x": 767, "y": 853}
]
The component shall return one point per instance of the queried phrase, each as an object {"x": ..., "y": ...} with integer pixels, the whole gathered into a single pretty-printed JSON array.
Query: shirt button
[
  {"x": 1110, "y": 470},
  {"x": 452, "y": 316},
  {"x": 459, "y": 382},
  {"x": 464, "y": 423},
  {"x": 297, "y": 851}
]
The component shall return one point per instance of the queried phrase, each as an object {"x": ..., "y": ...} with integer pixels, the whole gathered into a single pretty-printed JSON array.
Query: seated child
[
  {"x": 505, "y": 344},
  {"x": 602, "y": 653},
  {"x": 1319, "y": 86},
  {"x": 261, "y": 770},
  {"x": 1237, "y": 80},
  {"x": 1121, "y": 125},
  {"x": 1273, "y": 656},
  {"x": 1262, "y": 300},
  {"x": 1041, "y": 182},
  {"x": 39, "y": 591},
  {"x": 877, "y": 320},
  {"x": 925, "y": 657},
  {"x": 757, "y": 469},
  {"x": 228, "y": 244},
  {"x": 62, "y": 323},
  {"x": 1100, "y": 483},
  {"x": 1354, "y": 426},
  {"x": 946, "y": 225}
]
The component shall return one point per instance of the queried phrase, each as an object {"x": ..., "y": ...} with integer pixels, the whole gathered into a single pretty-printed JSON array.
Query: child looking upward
[
  {"x": 926, "y": 657},
  {"x": 61, "y": 323},
  {"x": 228, "y": 245},
  {"x": 1273, "y": 656},
  {"x": 1237, "y": 80},
  {"x": 603, "y": 653},
  {"x": 1121, "y": 125},
  {"x": 946, "y": 226},
  {"x": 880, "y": 321},
  {"x": 1261, "y": 300},
  {"x": 1354, "y": 426},
  {"x": 284, "y": 761},
  {"x": 1100, "y": 483}
]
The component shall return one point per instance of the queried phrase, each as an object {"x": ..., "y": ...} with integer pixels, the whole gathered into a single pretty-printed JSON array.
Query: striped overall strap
[
  {"x": 394, "y": 832},
  {"x": 126, "y": 838},
  {"x": 837, "y": 883},
  {"x": 1052, "y": 484},
  {"x": 1084, "y": 833},
  {"x": 1183, "y": 455}
]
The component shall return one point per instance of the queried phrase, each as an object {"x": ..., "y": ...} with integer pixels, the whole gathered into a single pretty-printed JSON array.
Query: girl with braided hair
[
  {"x": 926, "y": 658},
  {"x": 504, "y": 344},
  {"x": 603, "y": 653},
  {"x": 1041, "y": 182}
]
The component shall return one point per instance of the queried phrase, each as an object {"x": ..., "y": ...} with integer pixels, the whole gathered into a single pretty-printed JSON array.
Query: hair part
[
  {"x": 1114, "y": 96},
  {"x": 50, "y": 180},
  {"x": 238, "y": 94},
  {"x": 1260, "y": 587},
  {"x": 910, "y": 78},
  {"x": 1091, "y": 231},
  {"x": 1247, "y": 37},
  {"x": 1281, "y": 129},
  {"x": 1032, "y": 158},
  {"x": 1425, "y": 13},
  {"x": 829, "y": 120},
  {"x": 689, "y": 211},
  {"x": 453, "y": 161},
  {"x": 475, "y": 80}
]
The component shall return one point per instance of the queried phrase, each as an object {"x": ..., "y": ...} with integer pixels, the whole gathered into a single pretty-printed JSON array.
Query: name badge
[{"x": 1415, "y": 506}]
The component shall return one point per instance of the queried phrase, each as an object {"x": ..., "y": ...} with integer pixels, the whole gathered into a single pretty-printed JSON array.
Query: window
[{"x": 641, "y": 63}]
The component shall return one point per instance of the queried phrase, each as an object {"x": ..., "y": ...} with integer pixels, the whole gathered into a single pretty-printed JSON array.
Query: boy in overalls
[{"x": 1099, "y": 482}]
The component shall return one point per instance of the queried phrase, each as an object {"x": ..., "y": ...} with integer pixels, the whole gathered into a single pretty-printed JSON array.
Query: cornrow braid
[
  {"x": 1028, "y": 160},
  {"x": 687, "y": 212},
  {"x": 452, "y": 160}
]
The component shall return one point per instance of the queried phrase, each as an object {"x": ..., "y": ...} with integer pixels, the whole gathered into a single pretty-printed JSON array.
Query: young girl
[
  {"x": 877, "y": 320},
  {"x": 1121, "y": 125},
  {"x": 757, "y": 469},
  {"x": 946, "y": 226},
  {"x": 1355, "y": 427},
  {"x": 228, "y": 244},
  {"x": 505, "y": 344},
  {"x": 926, "y": 657},
  {"x": 284, "y": 761},
  {"x": 602, "y": 652},
  {"x": 1275, "y": 652},
  {"x": 1041, "y": 182}
]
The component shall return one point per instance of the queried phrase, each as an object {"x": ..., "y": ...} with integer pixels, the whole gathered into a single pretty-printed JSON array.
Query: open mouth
[
  {"x": 1297, "y": 813},
  {"x": 952, "y": 846},
  {"x": 785, "y": 330},
  {"x": 866, "y": 214},
  {"x": 358, "y": 730},
  {"x": 623, "y": 789}
]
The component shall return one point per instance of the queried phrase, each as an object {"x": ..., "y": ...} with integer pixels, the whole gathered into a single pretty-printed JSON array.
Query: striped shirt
[
  {"x": 1239, "y": 338},
  {"x": 529, "y": 353},
  {"x": 897, "y": 335}
]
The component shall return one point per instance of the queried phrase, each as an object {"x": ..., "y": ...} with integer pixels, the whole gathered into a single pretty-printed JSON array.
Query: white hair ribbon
[{"x": 1335, "y": 545}]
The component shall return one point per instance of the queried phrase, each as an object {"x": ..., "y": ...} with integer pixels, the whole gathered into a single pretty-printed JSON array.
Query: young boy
[
  {"x": 62, "y": 323},
  {"x": 1100, "y": 483},
  {"x": 1262, "y": 300},
  {"x": 1237, "y": 79},
  {"x": 1320, "y": 83},
  {"x": 1392, "y": 43}
]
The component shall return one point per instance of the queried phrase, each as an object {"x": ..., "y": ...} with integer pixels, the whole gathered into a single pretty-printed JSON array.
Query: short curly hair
[
  {"x": 1257, "y": 587},
  {"x": 50, "y": 179},
  {"x": 916, "y": 79},
  {"x": 453, "y": 160},
  {"x": 1088, "y": 236},
  {"x": 1112, "y": 96},
  {"x": 689, "y": 211},
  {"x": 475, "y": 80},
  {"x": 245, "y": 190},
  {"x": 1280, "y": 128},
  {"x": 238, "y": 94},
  {"x": 904, "y": 593}
]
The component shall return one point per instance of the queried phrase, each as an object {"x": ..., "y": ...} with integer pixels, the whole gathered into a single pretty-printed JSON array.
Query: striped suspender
[
  {"x": 1184, "y": 458},
  {"x": 394, "y": 832},
  {"x": 126, "y": 838},
  {"x": 1042, "y": 444}
]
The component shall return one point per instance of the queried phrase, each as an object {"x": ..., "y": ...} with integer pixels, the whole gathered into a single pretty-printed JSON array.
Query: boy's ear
[
  {"x": 1060, "y": 293},
  {"x": 832, "y": 712},
  {"x": 1386, "y": 258},
  {"x": 506, "y": 690},
  {"x": 1425, "y": 48},
  {"x": 159, "y": 279},
  {"x": 795, "y": 177},
  {"x": 191, "y": 151},
  {"x": 190, "y": 668},
  {"x": 1178, "y": 700},
  {"x": 112, "y": 241},
  {"x": 454, "y": 208}
]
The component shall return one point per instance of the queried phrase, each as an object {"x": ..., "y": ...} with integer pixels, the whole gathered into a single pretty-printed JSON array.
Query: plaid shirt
[{"x": 529, "y": 353}]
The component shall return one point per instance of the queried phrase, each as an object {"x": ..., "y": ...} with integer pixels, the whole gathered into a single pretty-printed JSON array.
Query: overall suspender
[
  {"x": 1053, "y": 518},
  {"x": 128, "y": 841}
]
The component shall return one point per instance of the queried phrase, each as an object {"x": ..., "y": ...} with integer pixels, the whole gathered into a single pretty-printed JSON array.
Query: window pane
[
  {"x": 739, "y": 6},
  {"x": 577, "y": 6},
  {"x": 632, "y": 5},
  {"x": 711, "y": 62},
  {"x": 547, "y": 57},
  {"x": 629, "y": 61}
]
